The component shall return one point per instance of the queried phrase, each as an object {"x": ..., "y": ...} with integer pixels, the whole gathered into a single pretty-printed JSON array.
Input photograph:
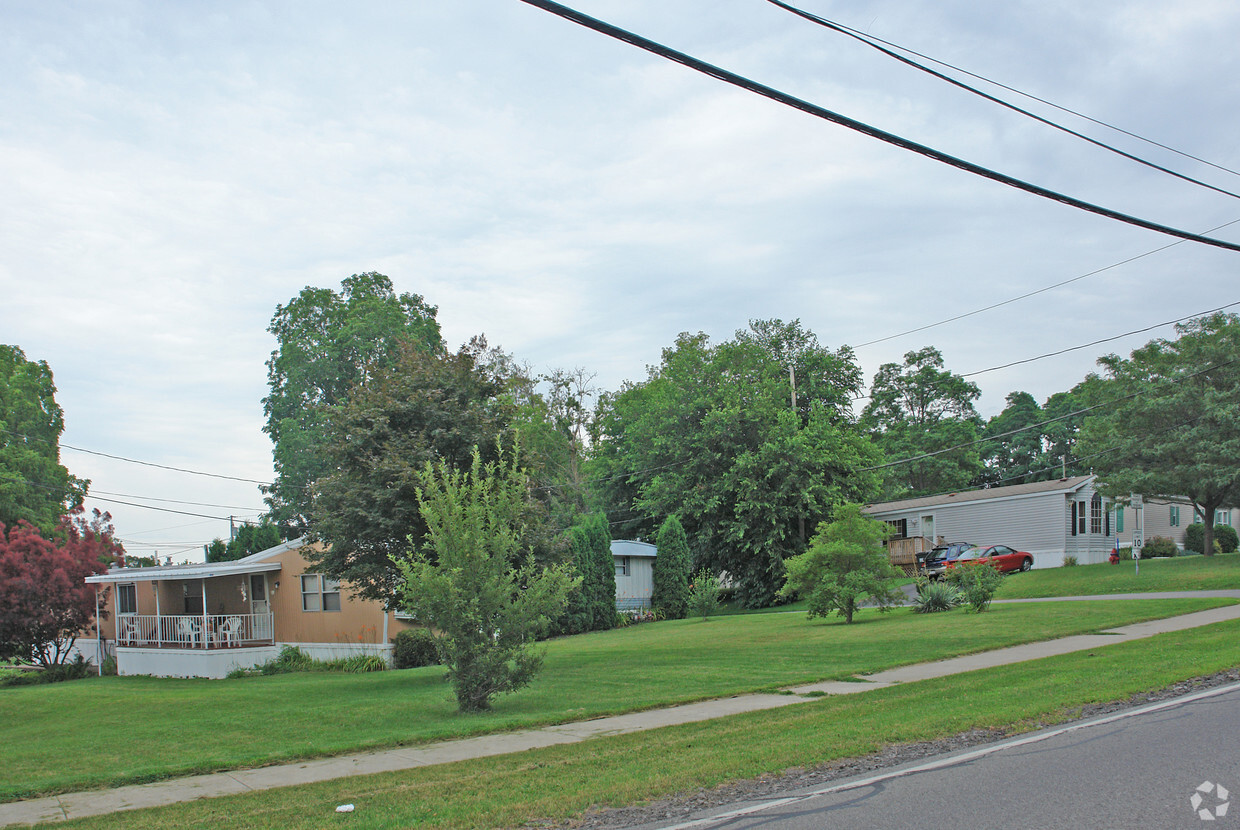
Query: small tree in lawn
[
  {"x": 671, "y": 571},
  {"x": 45, "y": 602},
  {"x": 484, "y": 598},
  {"x": 845, "y": 564},
  {"x": 600, "y": 580},
  {"x": 704, "y": 594}
]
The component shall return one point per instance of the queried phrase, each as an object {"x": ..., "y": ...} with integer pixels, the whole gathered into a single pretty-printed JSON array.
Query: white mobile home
[
  {"x": 1049, "y": 519},
  {"x": 634, "y": 573}
]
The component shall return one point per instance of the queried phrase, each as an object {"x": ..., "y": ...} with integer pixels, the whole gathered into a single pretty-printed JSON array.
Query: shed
[{"x": 634, "y": 573}]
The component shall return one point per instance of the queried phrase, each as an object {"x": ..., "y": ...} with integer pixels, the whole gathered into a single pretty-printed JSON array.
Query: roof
[
  {"x": 1062, "y": 485},
  {"x": 626, "y": 547},
  {"x": 254, "y": 563}
]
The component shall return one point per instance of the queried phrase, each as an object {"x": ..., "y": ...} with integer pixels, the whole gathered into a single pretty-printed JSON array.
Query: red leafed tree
[{"x": 45, "y": 602}]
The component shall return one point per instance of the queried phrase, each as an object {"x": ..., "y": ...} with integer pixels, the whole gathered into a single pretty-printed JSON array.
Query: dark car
[
  {"x": 1001, "y": 557},
  {"x": 936, "y": 560}
]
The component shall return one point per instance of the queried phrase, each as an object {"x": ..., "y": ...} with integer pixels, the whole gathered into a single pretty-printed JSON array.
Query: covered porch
[{"x": 196, "y": 620}]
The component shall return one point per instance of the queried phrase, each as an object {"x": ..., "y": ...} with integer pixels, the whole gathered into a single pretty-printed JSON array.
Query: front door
[
  {"x": 260, "y": 607},
  {"x": 927, "y": 530}
]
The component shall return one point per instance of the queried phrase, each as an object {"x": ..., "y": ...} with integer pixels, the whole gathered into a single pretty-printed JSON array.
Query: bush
[
  {"x": 109, "y": 666},
  {"x": 75, "y": 670},
  {"x": 935, "y": 596},
  {"x": 1069, "y": 561},
  {"x": 1225, "y": 538},
  {"x": 977, "y": 584},
  {"x": 413, "y": 649},
  {"x": 1157, "y": 546},
  {"x": 704, "y": 594},
  {"x": 293, "y": 659}
]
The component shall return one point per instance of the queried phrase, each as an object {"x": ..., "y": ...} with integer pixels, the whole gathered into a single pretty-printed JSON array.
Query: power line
[
  {"x": 248, "y": 509},
  {"x": 852, "y": 124},
  {"x": 852, "y": 33},
  {"x": 1052, "y": 104},
  {"x": 164, "y": 466},
  {"x": 1078, "y": 348},
  {"x": 1032, "y": 293},
  {"x": 132, "y": 460}
]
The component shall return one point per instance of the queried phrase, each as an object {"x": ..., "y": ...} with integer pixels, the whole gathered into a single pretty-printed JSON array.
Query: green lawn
[
  {"x": 1183, "y": 573},
  {"x": 112, "y": 730},
  {"x": 558, "y": 783}
]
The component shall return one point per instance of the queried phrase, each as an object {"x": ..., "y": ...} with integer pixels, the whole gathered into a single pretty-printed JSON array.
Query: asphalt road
[{"x": 1139, "y": 768}]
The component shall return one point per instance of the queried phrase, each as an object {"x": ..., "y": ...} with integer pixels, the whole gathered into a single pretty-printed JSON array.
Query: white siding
[{"x": 634, "y": 591}]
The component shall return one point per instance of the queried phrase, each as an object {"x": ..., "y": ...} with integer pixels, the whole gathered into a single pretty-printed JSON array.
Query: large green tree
[
  {"x": 918, "y": 408},
  {"x": 328, "y": 343},
  {"x": 420, "y": 407},
  {"x": 1174, "y": 427},
  {"x": 473, "y": 585},
  {"x": 749, "y": 442},
  {"x": 34, "y": 486}
]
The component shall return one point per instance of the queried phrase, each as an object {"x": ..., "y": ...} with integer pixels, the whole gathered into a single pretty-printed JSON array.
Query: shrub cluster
[
  {"x": 413, "y": 649},
  {"x": 935, "y": 596},
  {"x": 977, "y": 584},
  {"x": 1157, "y": 546},
  {"x": 73, "y": 670},
  {"x": 1225, "y": 538},
  {"x": 293, "y": 659}
]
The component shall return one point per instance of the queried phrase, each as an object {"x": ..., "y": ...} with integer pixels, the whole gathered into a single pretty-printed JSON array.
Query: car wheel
[{"x": 1026, "y": 564}]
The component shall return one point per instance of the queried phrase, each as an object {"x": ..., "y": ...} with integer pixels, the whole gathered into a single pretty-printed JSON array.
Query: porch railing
[{"x": 195, "y": 630}]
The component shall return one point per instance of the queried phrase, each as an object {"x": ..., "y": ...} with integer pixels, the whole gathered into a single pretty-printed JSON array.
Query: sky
[{"x": 170, "y": 173}]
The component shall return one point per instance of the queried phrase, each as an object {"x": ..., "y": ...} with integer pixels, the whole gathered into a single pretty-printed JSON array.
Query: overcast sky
[{"x": 171, "y": 172}]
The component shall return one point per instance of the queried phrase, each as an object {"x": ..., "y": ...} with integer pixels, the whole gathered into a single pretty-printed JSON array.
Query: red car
[{"x": 1001, "y": 557}]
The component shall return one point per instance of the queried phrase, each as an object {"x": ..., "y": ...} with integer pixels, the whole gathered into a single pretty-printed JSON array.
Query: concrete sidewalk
[{"x": 98, "y": 802}]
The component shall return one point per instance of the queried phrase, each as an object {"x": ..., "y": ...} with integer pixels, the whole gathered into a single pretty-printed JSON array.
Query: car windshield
[{"x": 937, "y": 555}]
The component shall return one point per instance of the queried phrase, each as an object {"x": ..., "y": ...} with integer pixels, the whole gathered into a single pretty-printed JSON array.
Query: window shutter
[
  {"x": 1107, "y": 524},
  {"x": 1073, "y": 525}
]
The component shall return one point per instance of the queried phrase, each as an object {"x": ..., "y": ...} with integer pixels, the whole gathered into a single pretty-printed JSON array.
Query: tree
[
  {"x": 1173, "y": 427},
  {"x": 746, "y": 452},
  {"x": 1015, "y": 458},
  {"x": 422, "y": 407},
  {"x": 599, "y": 571},
  {"x": 671, "y": 571},
  {"x": 249, "y": 539},
  {"x": 845, "y": 564},
  {"x": 34, "y": 485},
  {"x": 917, "y": 408},
  {"x": 328, "y": 344},
  {"x": 472, "y": 585},
  {"x": 45, "y": 602}
]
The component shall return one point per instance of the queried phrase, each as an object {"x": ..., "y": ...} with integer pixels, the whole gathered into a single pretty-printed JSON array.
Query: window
[
  {"x": 1119, "y": 520},
  {"x": 319, "y": 593},
  {"x": 1081, "y": 517},
  {"x": 127, "y": 599},
  {"x": 1174, "y": 518},
  {"x": 1222, "y": 517},
  {"x": 622, "y": 566},
  {"x": 899, "y": 528},
  {"x": 1095, "y": 514}
]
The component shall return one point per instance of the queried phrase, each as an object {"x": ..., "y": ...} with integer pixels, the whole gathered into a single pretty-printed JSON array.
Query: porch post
[
  {"x": 205, "y": 632},
  {"x": 159, "y": 622},
  {"x": 98, "y": 635}
]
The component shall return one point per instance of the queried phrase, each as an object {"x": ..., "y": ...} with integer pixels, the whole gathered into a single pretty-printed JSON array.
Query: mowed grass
[
  {"x": 561, "y": 782},
  {"x": 115, "y": 730},
  {"x": 1181, "y": 573}
]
